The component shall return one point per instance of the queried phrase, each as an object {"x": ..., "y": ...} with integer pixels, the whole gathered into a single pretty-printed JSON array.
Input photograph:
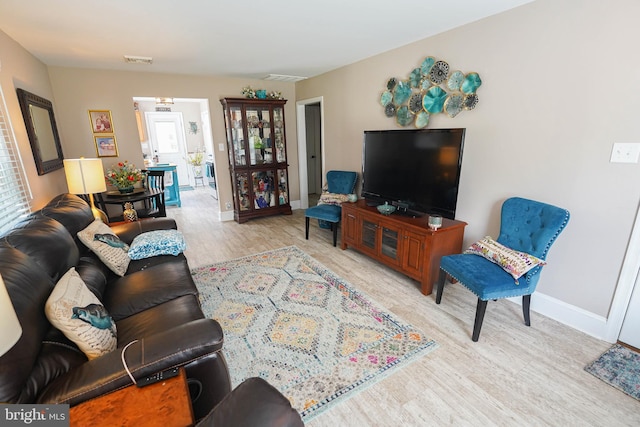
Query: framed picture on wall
[
  {"x": 106, "y": 146},
  {"x": 101, "y": 121}
]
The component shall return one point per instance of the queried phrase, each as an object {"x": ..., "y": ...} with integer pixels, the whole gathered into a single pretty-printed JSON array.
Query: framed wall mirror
[{"x": 42, "y": 130}]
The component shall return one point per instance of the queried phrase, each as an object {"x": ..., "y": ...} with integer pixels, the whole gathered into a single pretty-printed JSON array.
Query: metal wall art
[{"x": 429, "y": 89}]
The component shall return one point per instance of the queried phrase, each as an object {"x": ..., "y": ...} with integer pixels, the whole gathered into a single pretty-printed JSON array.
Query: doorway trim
[
  {"x": 626, "y": 282},
  {"x": 302, "y": 146}
]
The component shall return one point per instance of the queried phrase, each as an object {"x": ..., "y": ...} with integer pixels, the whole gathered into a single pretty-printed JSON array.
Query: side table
[{"x": 165, "y": 403}]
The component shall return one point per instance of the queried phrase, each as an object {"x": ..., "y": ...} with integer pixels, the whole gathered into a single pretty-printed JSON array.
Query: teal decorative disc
[
  {"x": 422, "y": 119},
  {"x": 454, "y": 104},
  {"x": 386, "y": 97},
  {"x": 433, "y": 100},
  {"x": 404, "y": 116},
  {"x": 471, "y": 83},
  {"x": 455, "y": 80},
  {"x": 391, "y": 83},
  {"x": 415, "y": 78},
  {"x": 401, "y": 93},
  {"x": 427, "y": 64}
]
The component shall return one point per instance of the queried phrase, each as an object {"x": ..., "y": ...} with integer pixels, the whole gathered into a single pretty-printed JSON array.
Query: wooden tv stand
[{"x": 404, "y": 243}]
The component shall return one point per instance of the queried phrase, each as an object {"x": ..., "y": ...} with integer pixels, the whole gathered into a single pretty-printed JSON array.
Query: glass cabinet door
[
  {"x": 283, "y": 187},
  {"x": 236, "y": 137},
  {"x": 263, "y": 190},
  {"x": 278, "y": 134},
  {"x": 389, "y": 247},
  {"x": 369, "y": 231},
  {"x": 259, "y": 134},
  {"x": 242, "y": 189}
]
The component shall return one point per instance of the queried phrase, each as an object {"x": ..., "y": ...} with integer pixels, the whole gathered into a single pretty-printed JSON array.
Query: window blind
[{"x": 14, "y": 191}]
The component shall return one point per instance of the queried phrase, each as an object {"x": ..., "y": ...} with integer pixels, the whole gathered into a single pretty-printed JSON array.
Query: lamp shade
[
  {"x": 84, "y": 176},
  {"x": 10, "y": 329}
]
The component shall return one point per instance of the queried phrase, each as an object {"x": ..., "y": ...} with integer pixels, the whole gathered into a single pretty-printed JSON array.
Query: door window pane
[{"x": 167, "y": 137}]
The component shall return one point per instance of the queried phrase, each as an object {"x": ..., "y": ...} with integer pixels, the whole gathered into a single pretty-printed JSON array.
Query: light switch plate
[
  {"x": 625, "y": 152},
  {"x": 220, "y": 147}
]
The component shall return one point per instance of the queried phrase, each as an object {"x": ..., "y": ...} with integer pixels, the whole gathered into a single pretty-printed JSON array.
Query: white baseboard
[
  {"x": 570, "y": 315},
  {"x": 225, "y": 216}
]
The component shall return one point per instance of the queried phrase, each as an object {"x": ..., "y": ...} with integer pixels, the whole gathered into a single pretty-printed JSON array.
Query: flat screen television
[{"x": 416, "y": 170}]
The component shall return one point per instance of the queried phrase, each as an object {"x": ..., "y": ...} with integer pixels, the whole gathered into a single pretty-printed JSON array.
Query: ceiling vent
[
  {"x": 138, "y": 59},
  {"x": 284, "y": 78}
]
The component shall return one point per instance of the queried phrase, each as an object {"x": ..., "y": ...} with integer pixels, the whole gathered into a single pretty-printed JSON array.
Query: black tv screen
[{"x": 416, "y": 170}]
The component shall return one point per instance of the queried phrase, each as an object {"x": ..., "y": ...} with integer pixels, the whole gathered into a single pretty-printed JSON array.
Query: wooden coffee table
[{"x": 165, "y": 403}]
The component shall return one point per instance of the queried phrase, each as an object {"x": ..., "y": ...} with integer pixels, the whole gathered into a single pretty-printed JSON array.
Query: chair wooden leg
[
  {"x": 306, "y": 227},
  {"x": 526, "y": 303},
  {"x": 482, "y": 307},
  {"x": 334, "y": 227},
  {"x": 440, "y": 288}
]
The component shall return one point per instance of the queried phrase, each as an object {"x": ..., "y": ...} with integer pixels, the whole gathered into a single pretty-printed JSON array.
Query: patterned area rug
[
  {"x": 620, "y": 368},
  {"x": 288, "y": 319}
]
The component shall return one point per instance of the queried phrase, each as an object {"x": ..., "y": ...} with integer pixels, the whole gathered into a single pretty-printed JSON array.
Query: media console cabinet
[{"x": 404, "y": 243}]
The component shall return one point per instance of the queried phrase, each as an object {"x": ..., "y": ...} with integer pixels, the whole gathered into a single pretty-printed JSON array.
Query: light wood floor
[{"x": 513, "y": 376}]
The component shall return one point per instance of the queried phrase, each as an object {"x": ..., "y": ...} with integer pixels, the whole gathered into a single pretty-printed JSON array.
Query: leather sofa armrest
[
  {"x": 255, "y": 402},
  {"x": 172, "y": 348},
  {"x": 128, "y": 231}
]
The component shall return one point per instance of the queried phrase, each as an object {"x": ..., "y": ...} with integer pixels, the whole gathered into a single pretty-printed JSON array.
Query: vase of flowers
[
  {"x": 196, "y": 160},
  {"x": 124, "y": 176}
]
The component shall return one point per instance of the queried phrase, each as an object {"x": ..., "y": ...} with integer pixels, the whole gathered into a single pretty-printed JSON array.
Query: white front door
[{"x": 167, "y": 141}]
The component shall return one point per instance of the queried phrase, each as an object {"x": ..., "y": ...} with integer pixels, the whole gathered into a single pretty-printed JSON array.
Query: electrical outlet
[
  {"x": 625, "y": 152},
  {"x": 228, "y": 205}
]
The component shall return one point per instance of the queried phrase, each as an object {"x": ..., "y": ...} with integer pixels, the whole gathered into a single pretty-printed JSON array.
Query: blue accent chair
[
  {"x": 338, "y": 182},
  {"x": 526, "y": 226}
]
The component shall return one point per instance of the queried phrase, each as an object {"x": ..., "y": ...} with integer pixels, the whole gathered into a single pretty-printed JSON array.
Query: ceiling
[{"x": 242, "y": 38}]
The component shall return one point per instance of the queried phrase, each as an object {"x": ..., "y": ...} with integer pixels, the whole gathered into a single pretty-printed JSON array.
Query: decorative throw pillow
[
  {"x": 78, "y": 313},
  {"x": 514, "y": 262},
  {"x": 103, "y": 242},
  {"x": 333, "y": 198},
  {"x": 158, "y": 242}
]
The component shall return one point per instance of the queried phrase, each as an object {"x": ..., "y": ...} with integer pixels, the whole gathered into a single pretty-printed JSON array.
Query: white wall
[{"x": 559, "y": 88}]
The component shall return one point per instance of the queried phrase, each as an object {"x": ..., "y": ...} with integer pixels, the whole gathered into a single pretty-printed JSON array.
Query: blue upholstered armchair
[
  {"x": 492, "y": 270},
  {"x": 340, "y": 185}
]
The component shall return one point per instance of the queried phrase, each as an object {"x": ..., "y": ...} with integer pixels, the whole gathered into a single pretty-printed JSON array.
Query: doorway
[
  {"x": 167, "y": 141},
  {"x": 185, "y": 122},
  {"x": 314, "y": 152},
  {"x": 311, "y": 153}
]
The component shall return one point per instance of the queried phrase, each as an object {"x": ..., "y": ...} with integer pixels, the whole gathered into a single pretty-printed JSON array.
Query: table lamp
[
  {"x": 86, "y": 176},
  {"x": 10, "y": 329}
]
